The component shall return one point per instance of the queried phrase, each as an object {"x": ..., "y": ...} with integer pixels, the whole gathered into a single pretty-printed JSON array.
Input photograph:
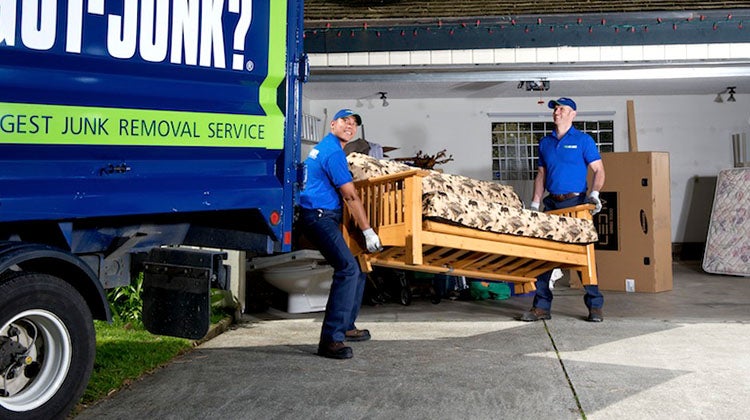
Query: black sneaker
[
  {"x": 335, "y": 350},
  {"x": 595, "y": 315},
  {"x": 535, "y": 314},
  {"x": 357, "y": 335}
]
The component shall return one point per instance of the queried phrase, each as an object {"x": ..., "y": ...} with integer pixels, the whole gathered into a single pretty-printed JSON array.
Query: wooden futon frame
[{"x": 394, "y": 205}]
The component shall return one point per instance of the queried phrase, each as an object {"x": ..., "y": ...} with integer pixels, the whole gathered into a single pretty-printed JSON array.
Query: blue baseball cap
[
  {"x": 346, "y": 112},
  {"x": 562, "y": 101}
]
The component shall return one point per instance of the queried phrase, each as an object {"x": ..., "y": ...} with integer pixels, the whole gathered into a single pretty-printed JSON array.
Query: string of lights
[{"x": 525, "y": 24}]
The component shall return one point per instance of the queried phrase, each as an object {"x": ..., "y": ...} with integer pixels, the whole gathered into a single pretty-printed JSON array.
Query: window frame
[{"x": 515, "y": 144}]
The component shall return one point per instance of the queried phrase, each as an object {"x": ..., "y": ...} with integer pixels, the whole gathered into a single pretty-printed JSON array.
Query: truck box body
[
  {"x": 136, "y": 136},
  {"x": 155, "y": 108}
]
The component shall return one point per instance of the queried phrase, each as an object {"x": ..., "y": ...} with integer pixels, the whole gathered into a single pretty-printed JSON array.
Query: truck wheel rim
[{"x": 47, "y": 342}]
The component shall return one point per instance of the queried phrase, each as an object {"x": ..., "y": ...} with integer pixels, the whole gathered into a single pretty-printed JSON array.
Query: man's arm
[
  {"x": 596, "y": 184},
  {"x": 354, "y": 203},
  {"x": 357, "y": 210},
  {"x": 597, "y": 167},
  {"x": 538, "y": 188}
]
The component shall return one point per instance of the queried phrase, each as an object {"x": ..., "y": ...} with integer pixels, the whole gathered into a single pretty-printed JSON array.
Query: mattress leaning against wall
[{"x": 728, "y": 241}]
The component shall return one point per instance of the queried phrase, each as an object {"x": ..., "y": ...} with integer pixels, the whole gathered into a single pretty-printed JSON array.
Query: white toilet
[{"x": 303, "y": 275}]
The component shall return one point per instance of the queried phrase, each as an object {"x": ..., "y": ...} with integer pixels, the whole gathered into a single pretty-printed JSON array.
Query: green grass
[{"x": 124, "y": 352}]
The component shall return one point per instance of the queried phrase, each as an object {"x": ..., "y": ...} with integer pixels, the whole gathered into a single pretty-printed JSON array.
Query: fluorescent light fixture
[{"x": 514, "y": 73}]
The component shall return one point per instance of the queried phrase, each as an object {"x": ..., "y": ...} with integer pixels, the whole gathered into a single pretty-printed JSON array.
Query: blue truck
[{"x": 136, "y": 136}]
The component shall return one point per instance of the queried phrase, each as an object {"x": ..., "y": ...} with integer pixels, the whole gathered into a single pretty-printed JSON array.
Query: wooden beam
[{"x": 632, "y": 133}]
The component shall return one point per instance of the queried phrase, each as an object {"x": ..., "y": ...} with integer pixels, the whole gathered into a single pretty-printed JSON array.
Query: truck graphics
[
  {"x": 186, "y": 32},
  {"x": 210, "y": 41},
  {"x": 57, "y": 124}
]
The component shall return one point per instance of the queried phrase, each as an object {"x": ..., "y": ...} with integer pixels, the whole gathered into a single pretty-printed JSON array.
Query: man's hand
[
  {"x": 535, "y": 205},
  {"x": 594, "y": 199},
  {"x": 372, "y": 240}
]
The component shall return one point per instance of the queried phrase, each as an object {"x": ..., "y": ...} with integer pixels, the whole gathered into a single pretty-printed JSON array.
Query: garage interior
[{"x": 433, "y": 76}]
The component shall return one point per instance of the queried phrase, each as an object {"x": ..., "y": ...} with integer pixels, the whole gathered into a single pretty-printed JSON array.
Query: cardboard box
[{"x": 634, "y": 252}]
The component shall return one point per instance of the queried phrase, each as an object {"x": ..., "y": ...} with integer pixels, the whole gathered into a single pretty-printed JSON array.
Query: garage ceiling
[
  {"x": 339, "y": 26},
  {"x": 694, "y": 79}
]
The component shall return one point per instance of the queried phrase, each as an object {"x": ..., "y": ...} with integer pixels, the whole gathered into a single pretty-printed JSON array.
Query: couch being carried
[{"x": 442, "y": 223}]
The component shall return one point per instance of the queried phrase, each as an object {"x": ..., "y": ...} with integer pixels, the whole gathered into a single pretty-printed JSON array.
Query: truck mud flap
[{"x": 177, "y": 290}]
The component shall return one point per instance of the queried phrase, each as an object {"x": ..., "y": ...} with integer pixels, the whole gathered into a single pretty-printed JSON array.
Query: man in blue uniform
[
  {"x": 564, "y": 159},
  {"x": 328, "y": 182}
]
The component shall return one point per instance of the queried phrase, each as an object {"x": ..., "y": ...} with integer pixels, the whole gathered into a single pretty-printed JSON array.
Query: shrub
[{"x": 126, "y": 302}]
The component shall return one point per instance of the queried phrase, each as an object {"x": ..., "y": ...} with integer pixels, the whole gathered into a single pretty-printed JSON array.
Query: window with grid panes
[{"x": 515, "y": 145}]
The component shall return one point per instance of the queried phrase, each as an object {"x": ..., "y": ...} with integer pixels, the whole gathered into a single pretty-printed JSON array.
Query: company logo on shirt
[
  {"x": 570, "y": 146},
  {"x": 313, "y": 154}
]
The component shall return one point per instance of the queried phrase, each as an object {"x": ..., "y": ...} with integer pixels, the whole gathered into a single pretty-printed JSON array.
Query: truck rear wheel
[{"x": 47, "y": 346}]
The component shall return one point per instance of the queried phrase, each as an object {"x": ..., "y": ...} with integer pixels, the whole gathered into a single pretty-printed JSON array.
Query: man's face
[
  {"x": 563, "y": 114},
  {"x": 344, "y": 128}
]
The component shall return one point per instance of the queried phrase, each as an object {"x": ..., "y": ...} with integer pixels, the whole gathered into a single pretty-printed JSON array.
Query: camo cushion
[
  {"x": 364, "y": 167},
  {"x": 462, "y": 186},
  {"x": 504, "y": 219}
]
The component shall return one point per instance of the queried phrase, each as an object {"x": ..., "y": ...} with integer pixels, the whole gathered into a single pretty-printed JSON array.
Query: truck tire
[{"x": 47, "y": 346}]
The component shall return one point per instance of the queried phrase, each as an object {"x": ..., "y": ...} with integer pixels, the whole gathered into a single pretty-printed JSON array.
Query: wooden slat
[
  {"x": 443, "y": 270},
  {"x": 472, "y": 258},
  {"x": 413, "y": 217},
  {"x": 445, "y": 256},
  {"x": 581, "y": 211},
  {"x": 588, "y": 273},
  {"x": 536, "y": 268},
  {"x": 504, "y": 248},
  {"x": 507, "y": 265},
  {"x": 439, "y": 227}
]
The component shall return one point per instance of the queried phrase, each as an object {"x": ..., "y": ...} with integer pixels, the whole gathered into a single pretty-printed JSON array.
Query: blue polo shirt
[
  {"x": 566, "y": 161},
  {"x": 326, "y": 170}
]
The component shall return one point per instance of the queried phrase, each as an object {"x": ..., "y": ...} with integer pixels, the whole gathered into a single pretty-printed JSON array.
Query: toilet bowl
[{"x": 307, "y": 283}]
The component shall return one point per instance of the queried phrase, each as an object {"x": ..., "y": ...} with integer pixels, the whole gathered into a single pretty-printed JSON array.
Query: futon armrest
[
  {"x": 581, "y": 211},
  {"x": 391, "y": 177}
]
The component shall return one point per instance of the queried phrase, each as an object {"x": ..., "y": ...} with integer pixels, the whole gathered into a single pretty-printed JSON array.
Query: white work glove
[
  {"x": 594, "y": 199},
  {"x": 535, "y": 205},
  {"x": 372, "y": 240},
  {"x": 557, "y": 274}
]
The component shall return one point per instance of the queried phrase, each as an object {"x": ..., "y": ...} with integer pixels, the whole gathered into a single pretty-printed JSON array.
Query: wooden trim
[{"x": 632, "y": 131}]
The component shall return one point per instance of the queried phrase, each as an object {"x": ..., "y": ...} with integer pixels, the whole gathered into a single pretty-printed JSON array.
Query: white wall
[{"x": 694, "y": 130}]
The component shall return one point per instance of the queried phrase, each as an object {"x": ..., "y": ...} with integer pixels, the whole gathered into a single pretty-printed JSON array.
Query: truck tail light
[{"x": 275, "y": 218}]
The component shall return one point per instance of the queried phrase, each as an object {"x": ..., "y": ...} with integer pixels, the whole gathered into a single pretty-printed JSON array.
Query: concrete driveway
[{"x": 679, "y": 354}]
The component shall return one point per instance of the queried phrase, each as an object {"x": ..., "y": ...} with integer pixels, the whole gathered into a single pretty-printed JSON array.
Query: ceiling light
[
  {"x": 730, "y": 91},
  {"x": 557, "y": 72},
  {"x": 731, "y": 94},
  {"x": 382, "y": 96},
  {"x": 542, "y": 85}
]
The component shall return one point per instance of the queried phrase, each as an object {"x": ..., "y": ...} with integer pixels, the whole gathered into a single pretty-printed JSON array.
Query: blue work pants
[
  {"x": 323, "y": 229},
  {"x": 543, "y": 296}
]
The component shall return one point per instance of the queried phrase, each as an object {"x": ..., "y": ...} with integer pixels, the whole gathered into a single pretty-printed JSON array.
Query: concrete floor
[{"x": 677, "y": 354}]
